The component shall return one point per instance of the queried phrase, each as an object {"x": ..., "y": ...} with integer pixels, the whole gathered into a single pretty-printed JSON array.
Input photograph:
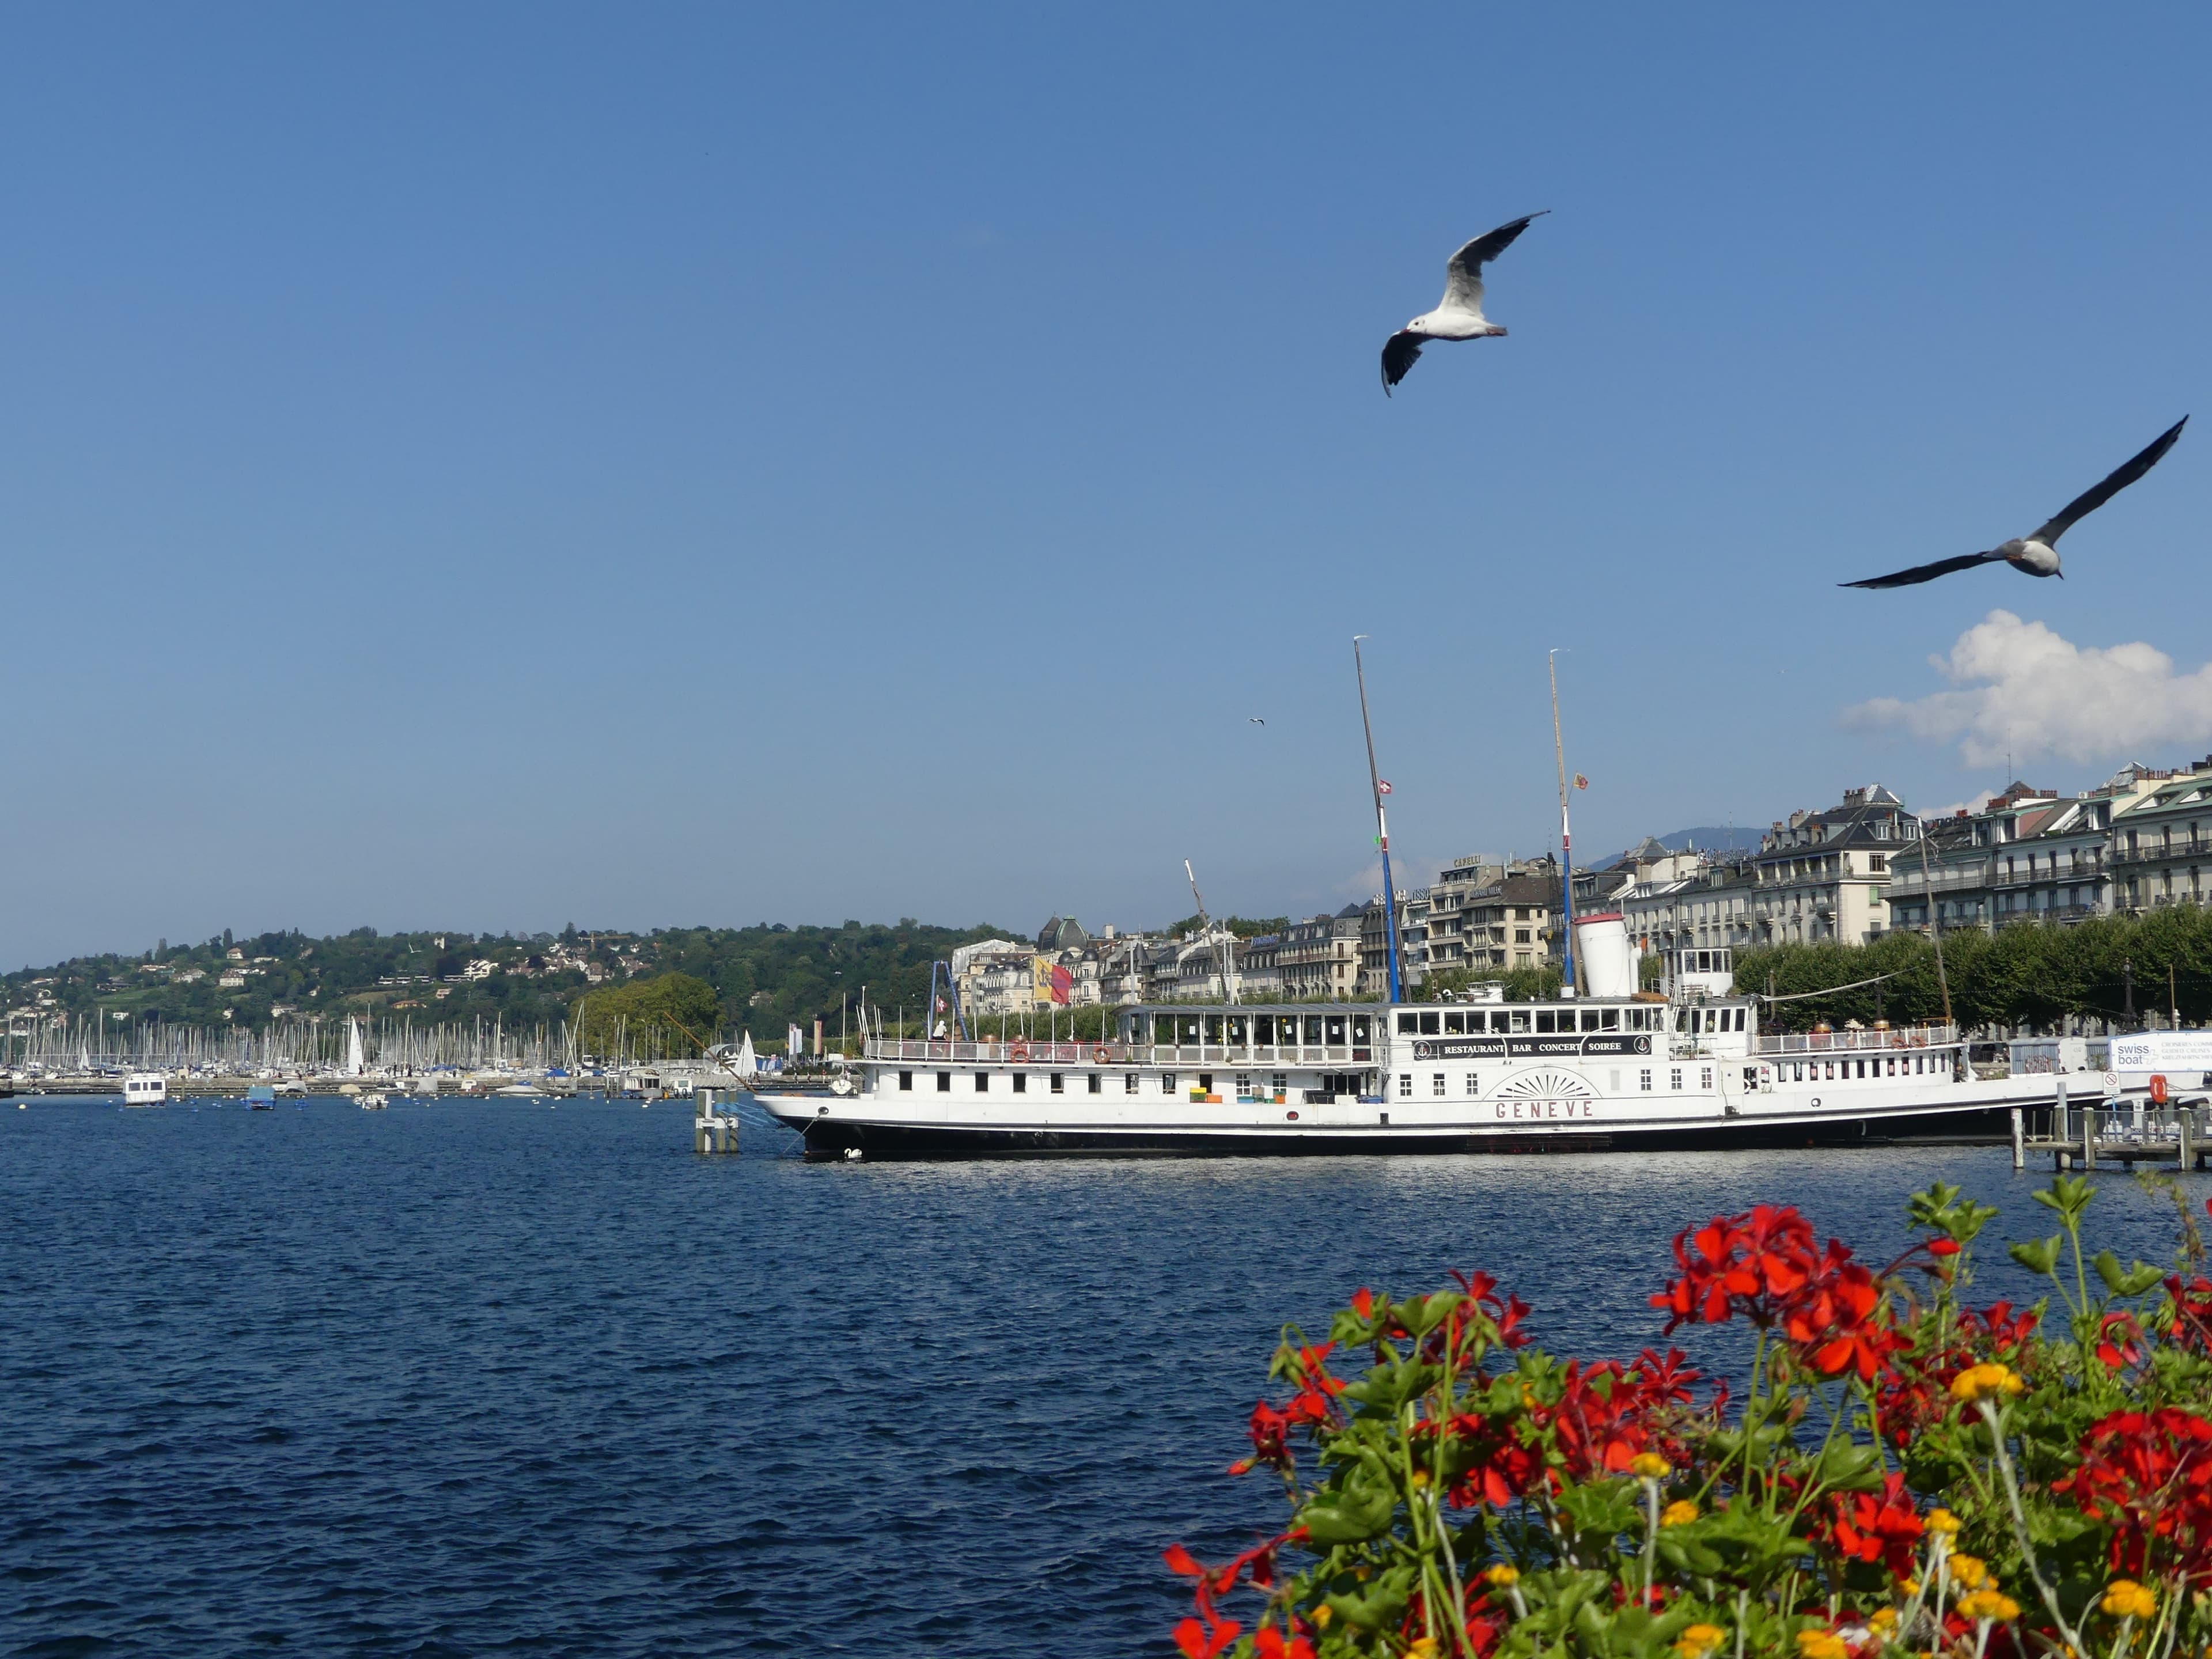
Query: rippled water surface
[{"x": 496, "y": 1377}]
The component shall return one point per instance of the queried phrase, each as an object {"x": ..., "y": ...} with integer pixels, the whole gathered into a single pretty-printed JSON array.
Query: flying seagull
[
  {"x": 2038, "y": 554},
  {"x": 1458, "y": 315}
]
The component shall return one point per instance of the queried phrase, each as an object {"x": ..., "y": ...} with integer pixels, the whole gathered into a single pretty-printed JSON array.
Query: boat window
[
  {"x": 906, "y": 1082},
  {"x": 1608, "y": 1019},
  {"x": 1097, "y": 1083},
  {"x": 1022, "y": 1083},
  {"x": 1129, "y": 1083},
  {"x": 1429, "y": 1027},
  {"x": 1313, "y": 1030},
  {"x": 1409, "y": 1025},
  {"x": 1589, "y": 1019},
  {"x": 1436, "y": 1082},
  {"x": 1404, "y": 1085},
  {"x": 1281, "y": 1080},
  {"x": 1333, "y": 1025},
  {"x": 945, "y": 1083},
  {"x": 1237, "y": 1035},
  {"x": 982, "y": 1083},
  {"x": 1263, "y": 1030},
  {"x": 1454, "y": 1025},
  {"x": 1546, "y": 1020},
  {"x": 1474, "y": 1083},
  {"x": 1167, "y": 1083},
  {"x": 1214, "y": 1030},
  {"x": 1519, "y": 1018},
  {"x": 1059, "y": 1083}
]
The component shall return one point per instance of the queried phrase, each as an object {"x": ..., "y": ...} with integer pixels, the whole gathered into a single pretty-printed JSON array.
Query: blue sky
[{"x": 497, "y": 466}]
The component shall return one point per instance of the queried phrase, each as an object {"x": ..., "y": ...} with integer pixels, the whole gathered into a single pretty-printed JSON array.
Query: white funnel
[{"x": 1603, "y": 962}]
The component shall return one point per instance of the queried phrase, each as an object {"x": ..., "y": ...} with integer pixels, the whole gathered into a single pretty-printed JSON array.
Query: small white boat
[
  {"x": 145, "y": 1089},
  {"x": 374, "y": 1102}
]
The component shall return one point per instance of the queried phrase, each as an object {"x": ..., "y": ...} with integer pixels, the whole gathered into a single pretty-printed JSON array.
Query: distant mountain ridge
[{"x": 1707, "y": 837}]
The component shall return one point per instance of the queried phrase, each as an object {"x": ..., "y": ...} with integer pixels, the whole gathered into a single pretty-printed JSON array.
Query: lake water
[{"x": 492, "y": 1378}]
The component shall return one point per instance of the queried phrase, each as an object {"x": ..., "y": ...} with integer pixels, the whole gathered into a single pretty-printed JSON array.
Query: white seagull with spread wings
[
  {"x": 1458, "y": 315},
  {"x": 2038, "y": 554}
]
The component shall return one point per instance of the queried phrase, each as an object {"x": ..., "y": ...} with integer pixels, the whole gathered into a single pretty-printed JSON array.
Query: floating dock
[{"x": 2115, "y": 1129}]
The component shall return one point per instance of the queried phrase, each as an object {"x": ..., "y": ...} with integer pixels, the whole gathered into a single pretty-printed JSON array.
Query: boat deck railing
[
  {"x": 1823, "y": 1042},
  {"x": 1016, "y": 1052}
]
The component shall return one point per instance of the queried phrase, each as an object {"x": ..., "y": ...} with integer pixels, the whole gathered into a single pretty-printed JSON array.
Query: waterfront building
[
  {"x": 1823, "y": 875},
  {"x": 1317, "y": 959},
  {"x": 1693, "y": 901},
  {"x": 2160, "y": 851}
]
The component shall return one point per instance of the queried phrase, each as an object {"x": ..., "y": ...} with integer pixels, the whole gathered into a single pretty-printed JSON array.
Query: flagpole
[
  {"x": 1381, "y": 822},
  {"x": 1566, "y": 838}
]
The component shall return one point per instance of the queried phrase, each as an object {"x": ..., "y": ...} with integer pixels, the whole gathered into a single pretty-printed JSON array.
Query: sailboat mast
[
  {"x": 1381, "y": 822},
  {"x": 1566, "y": 840}
]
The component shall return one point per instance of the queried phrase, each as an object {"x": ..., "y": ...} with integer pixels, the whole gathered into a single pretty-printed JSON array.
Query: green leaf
[
  {"x": 2036, "y": 1258},
  {"x": 1357, "y": 1513},
  {"x": 2125, "y": 1281},
  {"x": 2067, "y": 1194}
]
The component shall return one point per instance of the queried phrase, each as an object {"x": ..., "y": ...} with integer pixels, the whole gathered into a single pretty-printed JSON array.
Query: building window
[
  {"x": 906, "y": 1082},
  {"x": 945, "y": 1083},
  {"x": 1644, "y": 1081},
  {"x": 1521, "y": 936},
  {"x": 1404, "y": 1085}
]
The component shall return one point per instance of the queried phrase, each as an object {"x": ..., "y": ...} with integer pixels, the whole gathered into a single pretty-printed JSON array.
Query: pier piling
[
  {"x": 2019, "y": 1140},
  {"x": 713, "y": 1131}
]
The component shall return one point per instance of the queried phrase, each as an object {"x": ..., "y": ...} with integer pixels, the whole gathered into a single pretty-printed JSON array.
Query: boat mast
[
  {"x": 1566, "y": 838},
  {"x": 1381, "y": 822},
  {"x": 1206, "y": 927}
]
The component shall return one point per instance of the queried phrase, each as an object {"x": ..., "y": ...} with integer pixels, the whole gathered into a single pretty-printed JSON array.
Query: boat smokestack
[{"x": 1608, "y": 966}]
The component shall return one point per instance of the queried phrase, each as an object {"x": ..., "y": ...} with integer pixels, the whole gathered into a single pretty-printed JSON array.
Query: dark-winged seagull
[
  {"x": 1458, "y": 315},
  {"x": 2038, "y": 555}
]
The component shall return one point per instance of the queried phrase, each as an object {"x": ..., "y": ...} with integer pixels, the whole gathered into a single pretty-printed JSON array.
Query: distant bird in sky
[
  {"x": 1256, "y": 720},
  {"x": 2038, "y": 554},
  {"x": 1458, "y": 315}
]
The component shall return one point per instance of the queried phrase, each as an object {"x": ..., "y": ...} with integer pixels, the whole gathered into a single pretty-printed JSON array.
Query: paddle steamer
[{"x": 1573, "y": 1074}]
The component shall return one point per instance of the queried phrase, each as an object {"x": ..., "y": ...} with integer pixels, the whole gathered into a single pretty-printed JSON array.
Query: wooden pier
[{"x": 2117, "y": 1129}]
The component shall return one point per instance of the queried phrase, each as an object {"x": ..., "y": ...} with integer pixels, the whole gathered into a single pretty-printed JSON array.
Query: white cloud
[{"x": 2026, "y": 691}]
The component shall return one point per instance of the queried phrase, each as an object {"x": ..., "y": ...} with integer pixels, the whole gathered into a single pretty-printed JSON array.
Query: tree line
[{"x": 2029, "y": 977}]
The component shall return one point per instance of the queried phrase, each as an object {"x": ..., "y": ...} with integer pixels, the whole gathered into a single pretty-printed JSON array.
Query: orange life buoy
[
  {"x": 1017, "y": 1049},
  {"x": 1102, "y": 1056}
]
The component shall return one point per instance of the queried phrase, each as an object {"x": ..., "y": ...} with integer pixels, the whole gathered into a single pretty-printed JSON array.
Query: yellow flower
[
  {"x": 1911, "y": 1587},
  {"x": 1423, "y": 1648},
  {"x": 1967, "y": 1571},
  {"x": 1420, "y": 1478},
  {"x": 1649, "y": 1466},
  {"x": 1942, "y": 1521},
  {"x": 1680, "y": 1513},
  {"x": 1989, "y": 1604},
  {"x": 1979, "y": 1381},
  {"x": 1699, "y": 1640},
  {"x": 1881, "y": 1620},
  {"x": 1504, "y": 1574},
  {"x": 1321, "y": 1615},
  {"x": 2125, "y": 1599},
  {"x": 1821, "y": 1644}
]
